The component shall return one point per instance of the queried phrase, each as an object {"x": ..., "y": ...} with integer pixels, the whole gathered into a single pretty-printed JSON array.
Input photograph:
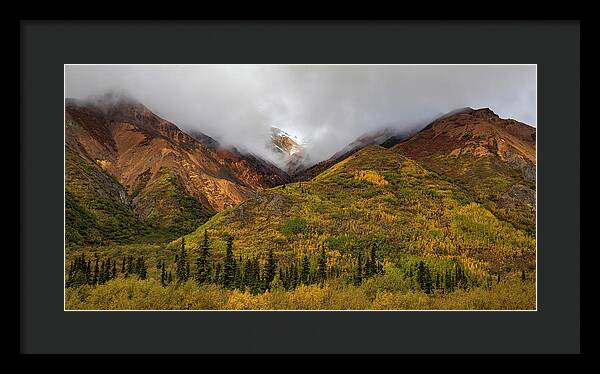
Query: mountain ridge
[
  {"x": 136, "y": 147},
  {"x": 375, "y": 195}
]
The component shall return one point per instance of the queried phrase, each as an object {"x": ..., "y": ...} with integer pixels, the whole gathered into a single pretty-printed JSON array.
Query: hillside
[
  {"x": 97, "y": 207},
  {"x": 374, "y": 196},
  {"x": 493, "y": 157},
  {"x": 171, "y": 180},
  {"x": 385, "y": 137}
]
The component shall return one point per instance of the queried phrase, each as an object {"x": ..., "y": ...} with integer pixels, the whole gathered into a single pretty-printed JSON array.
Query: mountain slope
[
  {"x": 386, "y": 138},
  {"x": 491, "y": 156},
  {"x": 97, "y": 207},
  {"x": 375, "y": 195},
  {"x": 289, "y": 148},
  {"x": 250, "y": 168},
  {"x": 173, "y": 180}
]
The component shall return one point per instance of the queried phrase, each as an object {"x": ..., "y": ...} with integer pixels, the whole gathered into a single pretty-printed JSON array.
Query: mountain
[
  {"x": 168, "y": 178},
  {"x": 247, "y": 166},
  {"x": 384, "y": 137},
  {"x": 493, "y": 157},
  {"x": 374, "y": 195},
  {"x": 289, "y": 148},
  {"x": 97, "y": 207}
]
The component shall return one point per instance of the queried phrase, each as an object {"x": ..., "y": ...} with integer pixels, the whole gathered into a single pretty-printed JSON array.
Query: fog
[{"x": 328, "y": 106}]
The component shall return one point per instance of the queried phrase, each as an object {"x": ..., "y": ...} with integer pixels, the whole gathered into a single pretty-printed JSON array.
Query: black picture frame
[{"x": 47, "y": 45}]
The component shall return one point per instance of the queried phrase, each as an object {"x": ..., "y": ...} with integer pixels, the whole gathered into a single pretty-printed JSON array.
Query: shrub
[{"x": 293, "y": 226}]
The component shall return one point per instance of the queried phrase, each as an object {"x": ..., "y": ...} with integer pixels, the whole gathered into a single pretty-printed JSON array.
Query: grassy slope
[
  {"x": 170, "y": 208},
  {"x": 488, "y": 178},
  {"x": 97, "y": 210},
  {"x": 374, "y": 195}
]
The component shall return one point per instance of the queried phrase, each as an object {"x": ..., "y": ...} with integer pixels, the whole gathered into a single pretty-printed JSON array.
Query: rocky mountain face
[
  {"x": 476, "y": 134},
  {"x": 289, "y": 148},
  {"x": 247, "y": 166},
  {"x": 169, "y": 176},
  {"x": 494, "y": 157},
  {"x": 129, "y": 171}
]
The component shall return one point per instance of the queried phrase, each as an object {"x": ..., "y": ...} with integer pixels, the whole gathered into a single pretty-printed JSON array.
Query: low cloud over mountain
[{"x": 327, "y": 106}]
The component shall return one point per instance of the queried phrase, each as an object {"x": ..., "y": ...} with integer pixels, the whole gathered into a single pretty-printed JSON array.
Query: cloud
[{"x": 326, "y": 105}]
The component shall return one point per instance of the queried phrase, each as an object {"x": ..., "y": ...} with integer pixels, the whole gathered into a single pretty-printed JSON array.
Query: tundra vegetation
[{"x": 375, "y": 231}]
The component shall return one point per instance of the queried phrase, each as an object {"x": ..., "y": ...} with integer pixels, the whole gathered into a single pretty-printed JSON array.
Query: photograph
[{"x": 300, "y": 187}]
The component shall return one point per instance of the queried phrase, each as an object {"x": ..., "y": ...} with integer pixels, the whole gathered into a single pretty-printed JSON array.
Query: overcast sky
[{"x": 326, "y": 105}]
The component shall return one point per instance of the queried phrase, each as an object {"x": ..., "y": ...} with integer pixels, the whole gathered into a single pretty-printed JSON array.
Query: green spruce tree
[
  {"x": 358, "y": 272},
  {"x": 182, "y": 266},
  {"x": 202, "y": 263},
  {"x": 305, "y": 271},
  {"x": 322, "y": 267},
  {"x": 270, "y": 269},
  {"x": 229, "y": 265}
]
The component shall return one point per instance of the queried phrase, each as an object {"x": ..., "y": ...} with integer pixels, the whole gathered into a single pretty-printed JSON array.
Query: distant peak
[
  {"x": 109, "y": 102},
  {"x": 276, "y": 131},
  {"x": 484, "y": 113},
  {"x": 114, "y": 99},
  {"x": 465, "y": 110}
]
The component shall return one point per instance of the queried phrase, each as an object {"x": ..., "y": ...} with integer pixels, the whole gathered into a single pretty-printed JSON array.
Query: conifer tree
[
  {"x": 237, "y": 283},
  {"x": 247, "y": 274},
  {"x": 100, "y": 279},
  {"x": 424, "y": 277},
  {"x": 293, "y": 274},
  {"x": 283, "y": 277},
  {"x": 322, "y": 267},
  {"x": 270, "y": 269},
  {"x": 421, "y": 274},
  {"x": 96, "y": 271},
  {"x": 256, "y": 284},
  {"x": 182, "y": 266},
  {"x": 358, "y": 271},
  {"x": 88, "y": 271},
  {"x": 103, "y": 272},
  {"x": 305, "y": 272},
  {"x": 78, "y": 272},
  {"x": 130, "y": 265},
  {"x": 229, "y": 265},
  {"x": 373, "y": 264},
  {"x": 202, "y": 263},
  {"x": 70, "y": 275},
  {"x": 141, "y": 268}
]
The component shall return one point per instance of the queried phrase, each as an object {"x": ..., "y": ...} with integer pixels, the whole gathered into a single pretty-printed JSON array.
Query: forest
[{"x": 368, "y": 281}]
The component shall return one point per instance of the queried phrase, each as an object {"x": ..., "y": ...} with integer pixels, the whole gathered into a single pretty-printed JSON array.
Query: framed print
[{"x": 330, "y": 187}]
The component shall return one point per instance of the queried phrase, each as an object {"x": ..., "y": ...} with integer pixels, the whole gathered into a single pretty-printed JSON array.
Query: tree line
[
  {"x": 231, "y": 273},
  {"x": 428, "y": 280},
  {"x": 250, "y": 275},
  {"x": 83, "y": 270}
]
